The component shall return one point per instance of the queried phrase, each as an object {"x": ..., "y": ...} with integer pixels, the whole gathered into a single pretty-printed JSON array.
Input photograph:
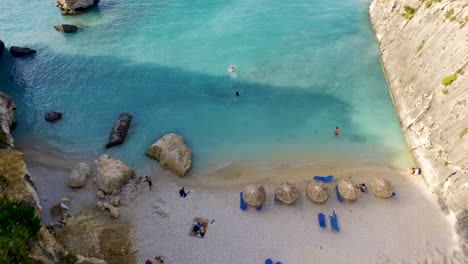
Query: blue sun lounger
[
  {"x": 338, "y": 195},
  {"x": 334, "y": 222},
  {"x": 268, "y": 261},
  {"x": 323, "y": 178},
  {"x": 243, "y": 205},
  {"x": 321, "y": 219},
  {"x": 259, "y": 208}
]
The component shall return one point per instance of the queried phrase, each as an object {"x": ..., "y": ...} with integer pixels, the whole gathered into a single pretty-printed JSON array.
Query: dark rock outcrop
[
  {"x": 20, "y": 51},
  {"x": 120, "y": 130},
  {"x": 66, "y": 28},
  {"x": 2, "y": 48},
  {"x": 53, "y": 116}
]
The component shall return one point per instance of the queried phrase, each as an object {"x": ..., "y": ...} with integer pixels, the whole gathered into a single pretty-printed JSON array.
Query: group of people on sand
[{"x": 199, "y": 229}]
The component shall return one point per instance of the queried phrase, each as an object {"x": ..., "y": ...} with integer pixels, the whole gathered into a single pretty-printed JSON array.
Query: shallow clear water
[{"x": 303, "y": 67}]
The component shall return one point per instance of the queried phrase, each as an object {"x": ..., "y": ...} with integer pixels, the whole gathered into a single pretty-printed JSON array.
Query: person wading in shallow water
[
  {"x": 149, "y": 181},
  {"x": 337, "y": 131}
]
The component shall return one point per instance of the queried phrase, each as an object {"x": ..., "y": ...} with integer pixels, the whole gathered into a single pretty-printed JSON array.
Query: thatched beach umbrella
[
  {"x": 381, "y": 188},
  {"x": 286, "y": 192},
  {"x": 318, "y": 191},
  {"x": 254, "y": 195},
  {"x": 348, "y": 189}
]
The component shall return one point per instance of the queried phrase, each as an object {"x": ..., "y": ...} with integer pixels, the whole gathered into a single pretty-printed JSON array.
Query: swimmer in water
[
  {"x": 232, "y": 69},
  {"x": 237, "y": 93}
]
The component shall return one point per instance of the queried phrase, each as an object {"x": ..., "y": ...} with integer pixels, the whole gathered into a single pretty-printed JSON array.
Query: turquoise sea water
[{"x": 303, "y": 67}]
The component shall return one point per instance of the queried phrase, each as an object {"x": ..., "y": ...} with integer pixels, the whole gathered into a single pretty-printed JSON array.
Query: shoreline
[{"x": 214, "y": 195}]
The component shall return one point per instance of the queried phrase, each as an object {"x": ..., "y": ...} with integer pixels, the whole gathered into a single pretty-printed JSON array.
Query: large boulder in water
[
  {"x": 74, "y": 7},
  {"x": 53, "y": 116},
  {"x": 20, "y": 51},
  {"x": 120, "y": 130},
  {"x": 2, "y": 48},
  {"x": 173, "y": 154},
  {"x": 65, "y": 28},
  {"x": 79, "y": 175},
  {"x": 112, "y": 174}
]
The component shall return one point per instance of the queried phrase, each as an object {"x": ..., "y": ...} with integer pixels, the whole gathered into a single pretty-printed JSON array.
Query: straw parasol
[
  {"x": 381, "y": 188},
  {"x": 254, "y": 195},
  {"x": 318, "y": 191},
  {"x": 286, "y": 192},
  {"x": 348, "y": 189}
]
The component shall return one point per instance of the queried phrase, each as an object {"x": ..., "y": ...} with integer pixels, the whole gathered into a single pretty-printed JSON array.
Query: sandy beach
[{"x": 409, "y": 228}]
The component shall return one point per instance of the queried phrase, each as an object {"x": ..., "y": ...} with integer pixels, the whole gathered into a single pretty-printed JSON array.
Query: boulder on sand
[
  {"x": 79, "y": 175},
  {"x": 74, "y": 7},
  {"x": 172, "y": 153},
  {"x": 66, "y": 28},
  {"x": 20, "y": 51},
  {"x": 112, "y": 174},
  {"x": 120, "y": 130},
  {"x": 53, "y": 116}
]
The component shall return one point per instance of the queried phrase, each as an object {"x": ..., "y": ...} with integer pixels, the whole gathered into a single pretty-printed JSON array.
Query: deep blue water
[{"x": 303, "y": 67}]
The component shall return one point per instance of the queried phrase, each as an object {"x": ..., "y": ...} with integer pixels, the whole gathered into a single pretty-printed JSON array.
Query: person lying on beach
[
  {"x": 159, "y": 259},
  {"x": 196, "y": 227},
  {"x": 148, "y": 262}
]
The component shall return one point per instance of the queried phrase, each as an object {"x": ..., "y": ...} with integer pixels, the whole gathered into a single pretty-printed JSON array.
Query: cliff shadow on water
[{"x": 263, "y": 121}]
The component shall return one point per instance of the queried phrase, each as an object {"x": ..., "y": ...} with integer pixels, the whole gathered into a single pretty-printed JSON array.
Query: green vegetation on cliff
[
  {"x": 409, "y": 12},
  {"x": 3, "y": 139},
  {"x": 421, "y": 45},
  {"x": 447, "y": 80},
  {"x": 18, "y": 224},
  {"x": 428, "y": 3},
  {"x": 449, "y": 13}
]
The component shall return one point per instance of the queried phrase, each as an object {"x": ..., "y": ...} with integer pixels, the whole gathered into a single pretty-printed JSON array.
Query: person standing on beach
[
  {"x": 149, "y": 181},
  {"x": 337, "y": 131}
]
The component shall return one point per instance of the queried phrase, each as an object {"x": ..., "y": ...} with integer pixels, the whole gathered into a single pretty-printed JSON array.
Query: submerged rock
[
  {"x": 21, "y": 51},
  {"x": 120, "y": 130},
  {"x": 79, "y": 175},
  {"x": 112, "y": 174},
  {"x": 2, "y": 48},
  {"x": 66, "y": 28},
  {"x": 53, "y": 116},
  {"x": 173, "y": 154},
  {"x": 74, "y": 7}
]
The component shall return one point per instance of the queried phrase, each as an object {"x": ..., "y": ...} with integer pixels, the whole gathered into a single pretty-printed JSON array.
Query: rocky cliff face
[
  {"x": 424, "y": 52},
  {"x": 44, "y": 248},
  {"x": 7, "y": 119}
]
